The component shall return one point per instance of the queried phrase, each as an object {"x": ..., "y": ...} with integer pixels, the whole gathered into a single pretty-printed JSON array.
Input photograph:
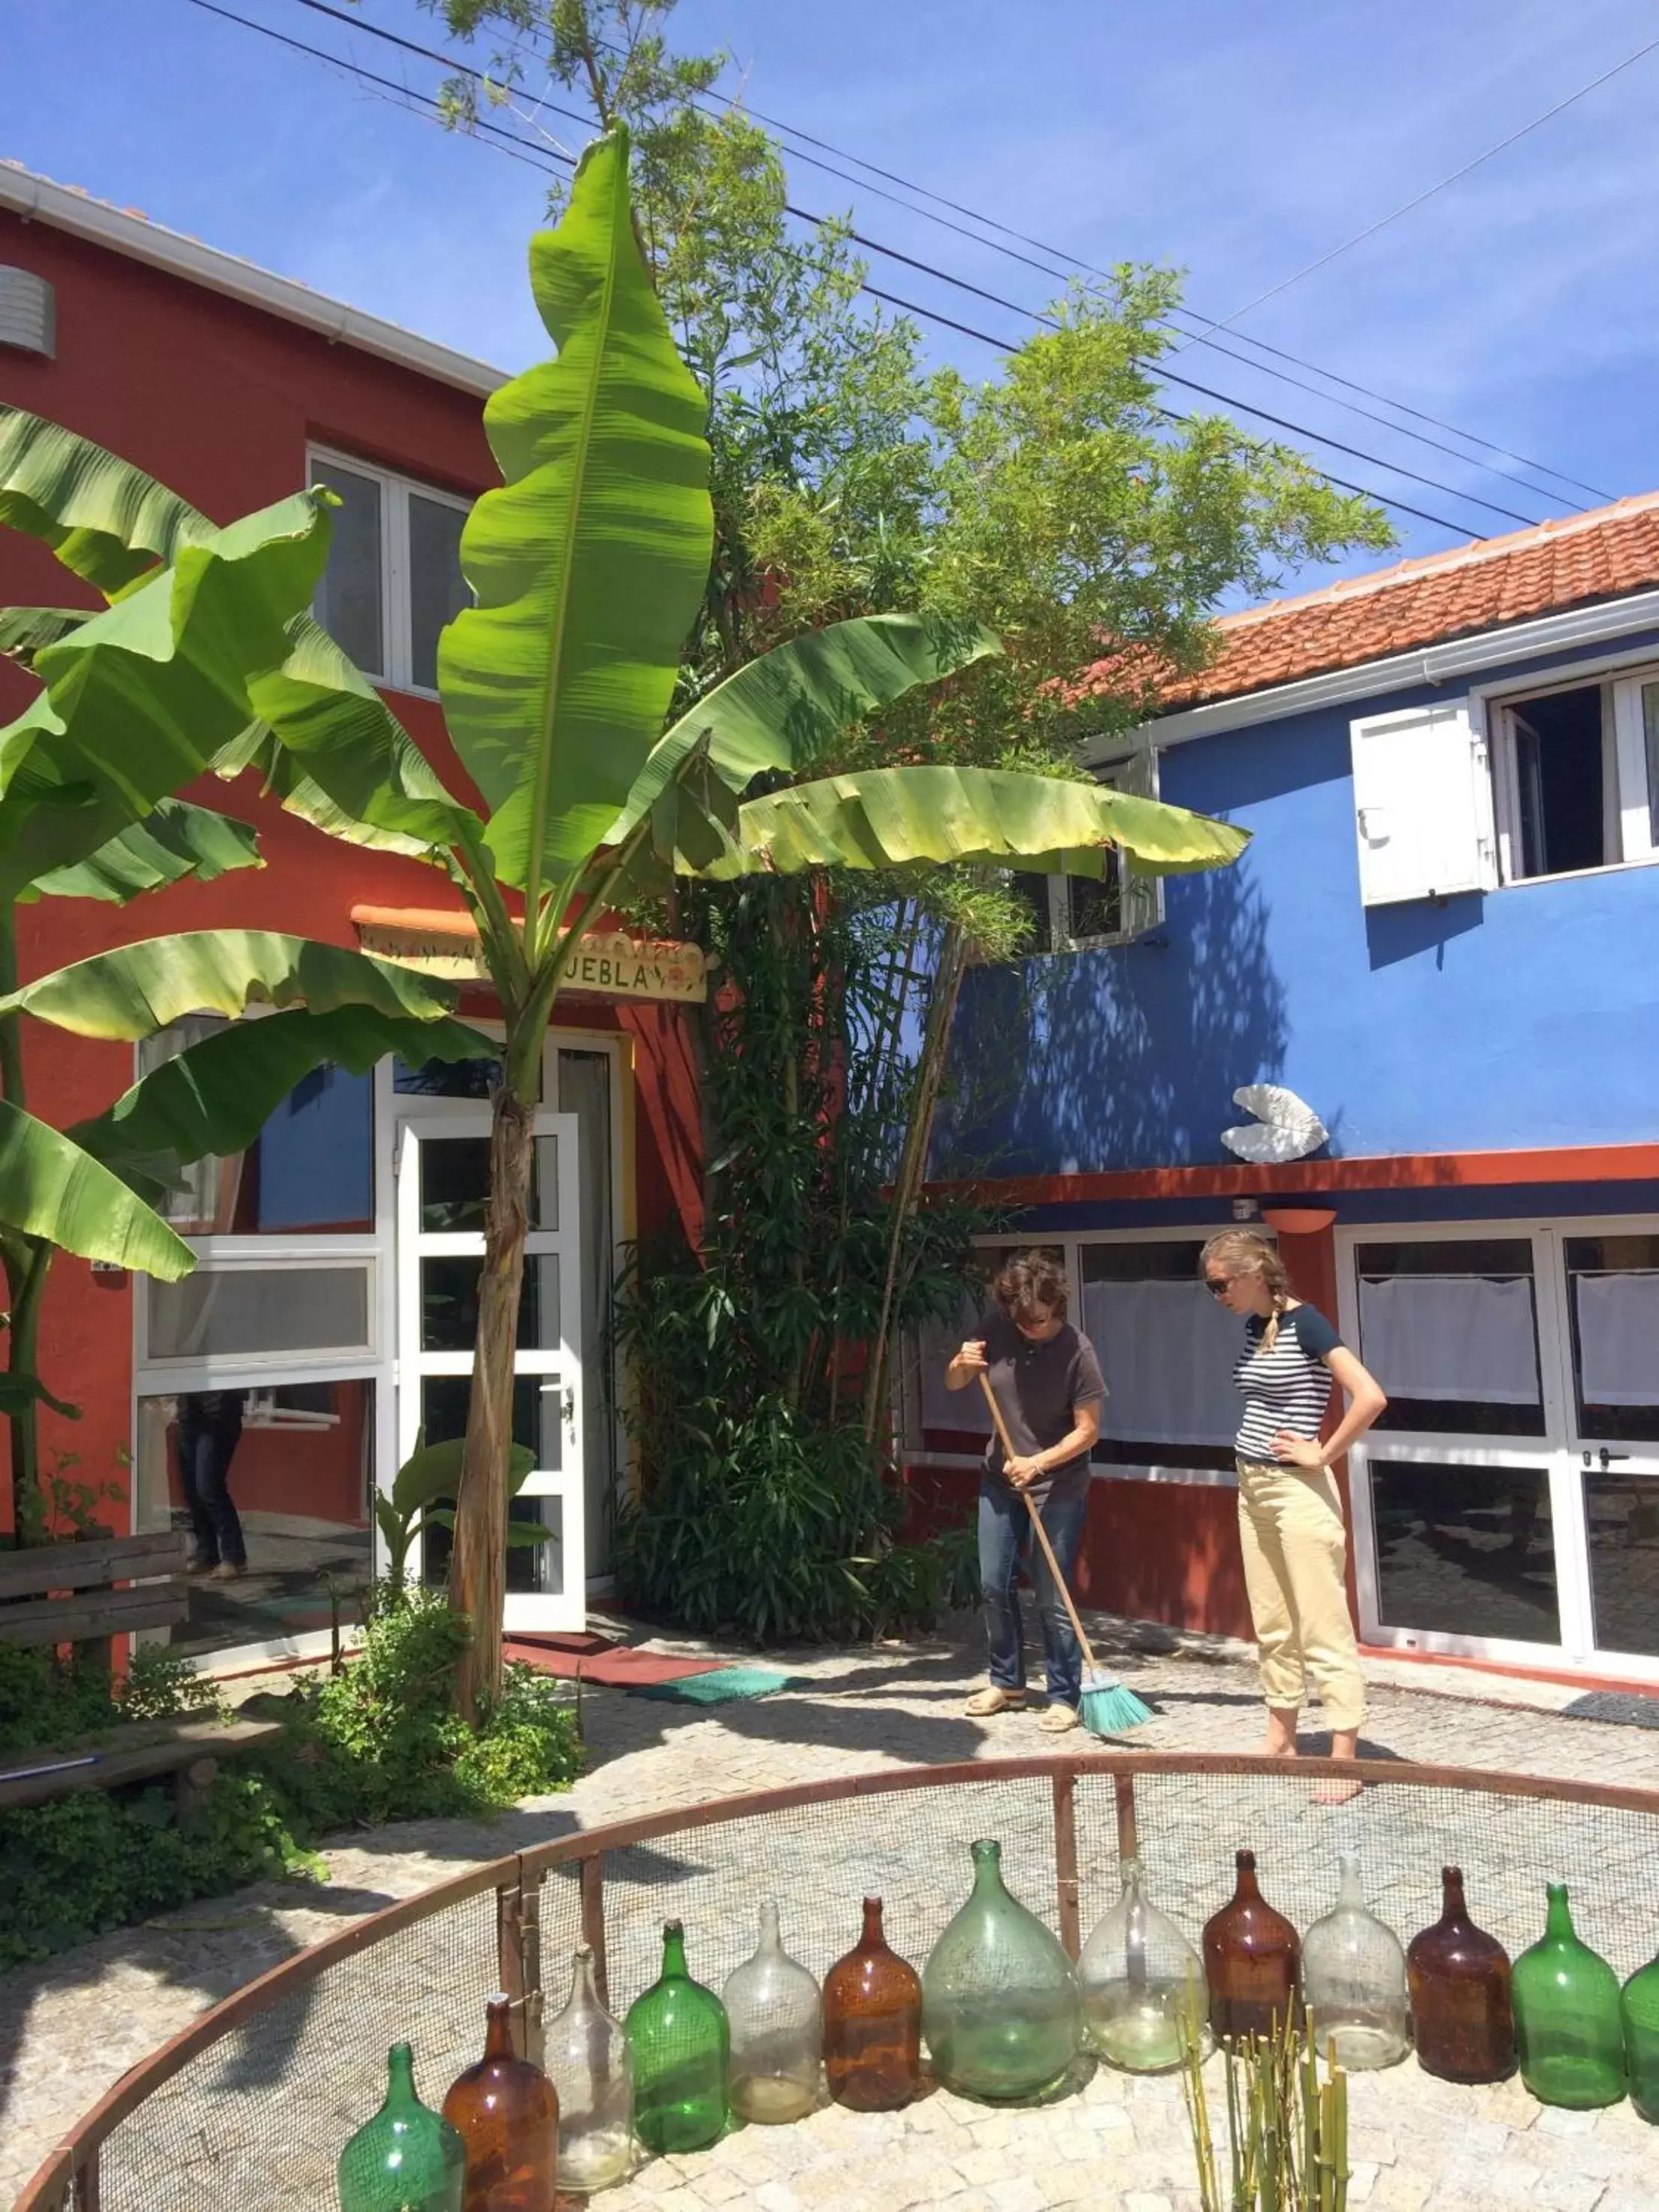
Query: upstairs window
[
  {"x": 1465, "y": 796},
  {"x": 1077, "y": 913},
  {"x": 393, "y": 578}
]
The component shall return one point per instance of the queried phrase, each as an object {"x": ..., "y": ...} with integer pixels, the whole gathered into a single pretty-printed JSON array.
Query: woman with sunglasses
[{"x": 1290, "y": 1527}]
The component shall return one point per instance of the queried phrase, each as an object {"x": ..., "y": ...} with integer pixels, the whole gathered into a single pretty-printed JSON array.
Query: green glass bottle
[
  {"x": 1000, "y": 2009},
  {"x": 1569, "y": 2036},
  {"x": 1639, "y": 2009},
  {"x": 407, "y": 2158},
  {"x": 681, "y": 2045}
]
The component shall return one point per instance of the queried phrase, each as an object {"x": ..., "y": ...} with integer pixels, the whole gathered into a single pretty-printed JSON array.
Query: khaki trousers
[{"x": 1295, "y": 1547}]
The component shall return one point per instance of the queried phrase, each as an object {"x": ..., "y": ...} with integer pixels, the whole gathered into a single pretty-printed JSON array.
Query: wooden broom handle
[{"x": 1036, "y": 1523}]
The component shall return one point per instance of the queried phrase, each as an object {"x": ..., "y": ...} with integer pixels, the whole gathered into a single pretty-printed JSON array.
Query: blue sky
[{"x": 1236, "y": 143}]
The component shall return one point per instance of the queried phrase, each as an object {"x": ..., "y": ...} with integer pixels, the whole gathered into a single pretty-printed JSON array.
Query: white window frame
[
  {"x": 397, "y": 627},
  {"x": 1071, "y": 1244},
  {"x": 1627, "y": 815},
  {"x": 1558, "y": 1450},
  {"x": 1131, "y": 927}
]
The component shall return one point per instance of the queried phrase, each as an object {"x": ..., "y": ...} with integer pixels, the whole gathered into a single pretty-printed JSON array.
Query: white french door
[{"x": 443, "y": 1173}]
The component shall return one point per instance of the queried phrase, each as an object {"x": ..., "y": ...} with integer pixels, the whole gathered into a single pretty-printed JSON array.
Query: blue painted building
[{"x": 1443, "y": 937}]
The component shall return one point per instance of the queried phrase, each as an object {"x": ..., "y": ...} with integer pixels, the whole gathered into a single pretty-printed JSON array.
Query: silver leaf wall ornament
[{"x": 1285, "y": 1127}]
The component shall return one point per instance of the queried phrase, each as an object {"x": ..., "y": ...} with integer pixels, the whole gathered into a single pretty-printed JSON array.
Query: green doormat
[{"x": 718, "y": 1686}]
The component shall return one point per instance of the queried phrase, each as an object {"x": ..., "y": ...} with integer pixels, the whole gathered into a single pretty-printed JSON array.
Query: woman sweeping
[
  {"x": 1047, "y": 1383},
  {"x": 1290, "y": 1515}
]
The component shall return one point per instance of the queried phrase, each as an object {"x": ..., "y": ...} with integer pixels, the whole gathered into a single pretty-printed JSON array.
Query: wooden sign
[{"x": 612, "y": 962}]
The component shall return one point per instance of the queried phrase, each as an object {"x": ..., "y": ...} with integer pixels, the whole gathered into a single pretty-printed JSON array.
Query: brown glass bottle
[
  {"x": 1251, "y": 1957},
  {"x": 1459, "y": 1980},
  {"x": 872, "y": 2024},
  {"x": 507, "y": 2112}
]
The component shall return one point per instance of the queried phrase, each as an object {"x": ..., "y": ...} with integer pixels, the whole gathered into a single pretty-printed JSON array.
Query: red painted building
[{"x": 324, "y": 1293}]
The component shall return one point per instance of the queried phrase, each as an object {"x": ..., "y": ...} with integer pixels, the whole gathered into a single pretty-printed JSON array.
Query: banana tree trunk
[{"x": 478, "y": 1574}]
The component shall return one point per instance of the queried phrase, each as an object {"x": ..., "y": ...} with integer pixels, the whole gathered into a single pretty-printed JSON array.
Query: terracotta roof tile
[{"x": 1603, "y": 555}]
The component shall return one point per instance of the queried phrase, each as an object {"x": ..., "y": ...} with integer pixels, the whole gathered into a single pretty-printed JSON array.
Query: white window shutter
[{"x": 1423, "y": 805}]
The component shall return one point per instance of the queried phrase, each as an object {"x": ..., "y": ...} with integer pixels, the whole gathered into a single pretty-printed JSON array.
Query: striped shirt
[{"x": 1288, "y": 1387}]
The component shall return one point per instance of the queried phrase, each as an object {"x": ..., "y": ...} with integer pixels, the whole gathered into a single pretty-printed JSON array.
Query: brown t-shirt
[{"x": 1038, "y": 1388}]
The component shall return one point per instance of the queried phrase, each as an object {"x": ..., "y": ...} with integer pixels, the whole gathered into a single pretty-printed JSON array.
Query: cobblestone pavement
[{"x": 69, "y": 2029}]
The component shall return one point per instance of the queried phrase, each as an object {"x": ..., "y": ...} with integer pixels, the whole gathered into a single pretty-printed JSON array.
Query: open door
[{"x": 443, "y": 1178}]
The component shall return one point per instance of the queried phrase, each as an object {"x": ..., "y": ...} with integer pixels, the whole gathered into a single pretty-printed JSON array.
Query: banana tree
[{"x": 586, "y": 566}]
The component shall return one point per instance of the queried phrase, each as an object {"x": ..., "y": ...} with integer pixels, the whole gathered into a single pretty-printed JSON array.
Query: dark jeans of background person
[
  {"x": 209, "y": 1425},
  {"x": 1006, "y": 1539}
]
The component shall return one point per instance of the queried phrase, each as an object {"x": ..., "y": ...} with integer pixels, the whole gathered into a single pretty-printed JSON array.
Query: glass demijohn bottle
[
  {"x": 406, "y": 2159},
  {"x": 508, "y": 2115},
  {"x": 1142, "y": 1983},
  {"x": 1459, "y": 1980},
  {"x": 1000, "y": 2006},
  {"x": 1568, "y": 2035},
  {"x": 775, "y": 2017},
  {"x": 1638, "y": 2007},
  {"x": 677, "y": 2034},
  {"x": 586, "y": 2057},
  {"x": 1251, "y": 1957},
  {"x": 872, "y": 2024},
  {"x": 1353, "y": 1980}
]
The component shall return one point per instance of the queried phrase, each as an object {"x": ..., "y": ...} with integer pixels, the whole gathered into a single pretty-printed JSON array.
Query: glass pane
[
  {"x": 349, "y": 598},
  {"x": 538, "y": 1403},
  {"x": 313, "y": 1166},
  {"x": 286, "y": 1471},
  {"x": 1033, "y": 892},
  {"x": 584, "y": 1091},
  {"x": 1650, "y": 741},
  {"x": 221, "y": 1310},
  {"x": 1613, "y": 1304},
  {"x": 1450, "y": 1328},
  {"x": 1167, "y": 1350},
  {"x": 449, "y": 1302},
  {"x": 1621, "y": 1514},
  {"x": 437, "y": 590},
  {"x": 447, "y": 1078},
  {"x": 455, "y": 1184},
  {"x": 1466, "y": 1551},
  {"x": 1094, "y": 909}
]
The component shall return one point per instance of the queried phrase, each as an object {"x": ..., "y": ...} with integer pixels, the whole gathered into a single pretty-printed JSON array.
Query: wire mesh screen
[
  {"x": 258, "y": 2120},
  {"x": 1190, "y": 1825},
  {"x": 911, "y": 1849}
]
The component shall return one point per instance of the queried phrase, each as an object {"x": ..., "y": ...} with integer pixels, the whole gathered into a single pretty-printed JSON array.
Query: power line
[
  {"x": 1072, "y": 264},
  {"x": 516, "y": 145},
  {"x": 1428, "y": 193}
]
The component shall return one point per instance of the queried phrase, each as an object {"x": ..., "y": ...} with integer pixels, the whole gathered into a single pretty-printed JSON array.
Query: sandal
[{"x": 983, "y": 1703}]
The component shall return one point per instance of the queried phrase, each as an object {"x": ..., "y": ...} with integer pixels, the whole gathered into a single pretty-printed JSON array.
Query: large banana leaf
[
  {"x": 213, "y": 1097},
  {"x": 784, "y": 710},
  {"x": 887, "y": 817},
  {"x": 434, "y": 1470},
  {"x": 49, "y": 1187},
  {"x": 134, "y": 990},
  {"x": 173, "y": 840},
  {"x": 104, "y": 519},
  {"x": 139, "y": 700},
  {"x": 24, "y": 630},
  {"x": 589, "y": 562}
]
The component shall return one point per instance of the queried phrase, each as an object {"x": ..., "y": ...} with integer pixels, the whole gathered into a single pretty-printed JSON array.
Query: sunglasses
[{"x": 1218, "y": 1289}]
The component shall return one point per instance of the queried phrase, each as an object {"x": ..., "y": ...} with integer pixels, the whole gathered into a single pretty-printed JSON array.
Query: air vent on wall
[{"x": 28, "y": 317}]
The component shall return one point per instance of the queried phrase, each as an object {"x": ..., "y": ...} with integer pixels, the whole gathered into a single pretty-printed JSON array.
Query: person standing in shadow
[{"x": 208, "y": 1427}]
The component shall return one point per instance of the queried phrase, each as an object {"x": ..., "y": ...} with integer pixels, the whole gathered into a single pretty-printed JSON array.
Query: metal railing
[{"x": 251, "y": 2104}]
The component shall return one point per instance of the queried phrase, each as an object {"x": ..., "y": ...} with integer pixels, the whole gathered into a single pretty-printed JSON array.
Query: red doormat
[{"x": 617, "y": 1665}]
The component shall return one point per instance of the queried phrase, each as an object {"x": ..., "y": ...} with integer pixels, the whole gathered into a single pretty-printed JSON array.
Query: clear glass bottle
[
  {"x": 508, "y": 2115},
  {"x": 678, "y": 2034},
  {"x": 407, "y": 2158},
  {"x": 1142, "y": 1982},
  {"x": 775, "y": 2016},
  {"x": 1462, "y": 2022},
  {"x": 999, "y": 2005},
  {"x": 872, "y": 2024},
  {"x": 586, "y": 2058},
  {"x": 1569, "y": 2033},
  {"x": 1251, "y": 1960},
  {"x": 1353, "y": 1980}
]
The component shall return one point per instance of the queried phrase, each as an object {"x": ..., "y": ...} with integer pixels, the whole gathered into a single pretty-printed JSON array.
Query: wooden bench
[{"x": 85, "y": 1594}]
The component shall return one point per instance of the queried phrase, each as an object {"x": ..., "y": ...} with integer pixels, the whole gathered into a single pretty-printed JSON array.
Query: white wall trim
[
  {"x": 36, "y": 199},
  {"x": 1433, "y": 663}
]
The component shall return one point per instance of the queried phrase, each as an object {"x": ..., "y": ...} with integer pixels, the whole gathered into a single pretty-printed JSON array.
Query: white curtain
[
  {"x": 1450, "y": 1336},
  {"x": 1619, "y": 1338},
  {"x": 936, "y": 1341},
  {"x": 1167, "y": 1352}
]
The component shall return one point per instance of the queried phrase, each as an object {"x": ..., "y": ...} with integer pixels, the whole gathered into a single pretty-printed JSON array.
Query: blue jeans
[
  {"x": 1004, "y": 1541},
  {"x": 206, "y": 1443}
]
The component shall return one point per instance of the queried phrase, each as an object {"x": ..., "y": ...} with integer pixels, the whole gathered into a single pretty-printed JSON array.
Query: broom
[{"x": 1106, "y": 1707}]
